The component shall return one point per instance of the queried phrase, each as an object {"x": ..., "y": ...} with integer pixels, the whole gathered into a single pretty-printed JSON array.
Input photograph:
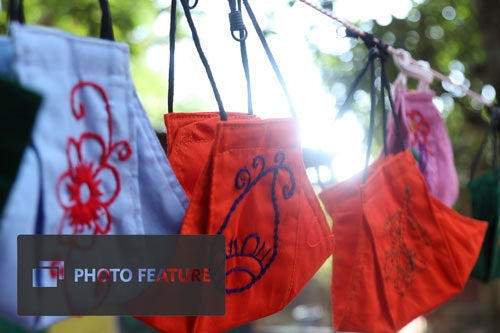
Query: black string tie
[
  {"x": 193, "y": 6},
  {"x": 376, "y": 50},
  {"x": 236, "y": 21},
  {"x": 239, "y": 33}
]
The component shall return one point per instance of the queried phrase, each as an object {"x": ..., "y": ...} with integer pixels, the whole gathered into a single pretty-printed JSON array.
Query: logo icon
[{"x": 47, "y": 274}]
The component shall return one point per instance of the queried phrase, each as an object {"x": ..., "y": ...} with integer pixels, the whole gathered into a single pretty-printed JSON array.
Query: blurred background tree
[{"x": 457, "y": 37}]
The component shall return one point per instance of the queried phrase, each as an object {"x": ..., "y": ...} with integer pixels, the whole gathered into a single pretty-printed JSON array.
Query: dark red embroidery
[
  {"x": 81, "y": 189},
  {"x": 401, "y": 259}
]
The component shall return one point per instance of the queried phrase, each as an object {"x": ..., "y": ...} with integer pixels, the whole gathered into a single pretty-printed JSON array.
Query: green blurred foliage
[
  {"x": 132, "y": 24},
  {"x": 83, "y": 17}
]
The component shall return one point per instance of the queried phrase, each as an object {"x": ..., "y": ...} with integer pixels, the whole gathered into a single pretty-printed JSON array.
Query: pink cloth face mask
[{"x": 424, "y": 131}]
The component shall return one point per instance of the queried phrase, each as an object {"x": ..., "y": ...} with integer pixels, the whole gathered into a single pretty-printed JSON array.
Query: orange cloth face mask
[
  {"x": 402, "y": 252},
  {"x": 255, "y": 192},
  {"x": 190, "y": 137}
]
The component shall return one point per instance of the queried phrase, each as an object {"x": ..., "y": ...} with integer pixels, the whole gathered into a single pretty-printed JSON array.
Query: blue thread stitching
[
  {"x": 257, "y": 238},
  {"x": 243, "y": 180},
  {"x": 246, "y": 270}
]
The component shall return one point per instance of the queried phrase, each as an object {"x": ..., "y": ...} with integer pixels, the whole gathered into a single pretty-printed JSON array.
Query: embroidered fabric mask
[
  {"x": 424, "y": 130},
  {"x": 190, "y": 137},
  {"x": 255, "y": 192},
  {"x": 96, "y": 166},
  {"x": 402, "y": 252}
]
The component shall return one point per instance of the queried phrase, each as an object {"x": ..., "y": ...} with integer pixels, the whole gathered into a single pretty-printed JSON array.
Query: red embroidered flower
[
  {"x": 419, "y": 127},
  {"x": 91, "y": 183},
  {"x": 81, "y": 190}
]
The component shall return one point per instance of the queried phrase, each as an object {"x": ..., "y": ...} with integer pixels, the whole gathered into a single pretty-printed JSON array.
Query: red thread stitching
[
  {"x": 81, "y": 182},
  {"x": 420, "y": 129}
]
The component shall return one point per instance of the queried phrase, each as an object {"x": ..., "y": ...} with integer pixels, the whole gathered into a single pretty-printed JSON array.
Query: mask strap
[
  {"x": 16, "y": 11},
  {"x": 376, "y": 51},
  {"x": 373, "y": 54},
  {"x": 270, "y": 56},
  {"x": 187, "y": 12},
  {"x": 171, "y": 59},
  {"x": 106, "y": 21},
  {"x": 239, "y": 33},
  {"x": 387, "y": 87},
  {"x": 16, "y": 14}
]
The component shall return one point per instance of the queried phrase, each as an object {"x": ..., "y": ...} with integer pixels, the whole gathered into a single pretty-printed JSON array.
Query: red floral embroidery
[
  {"x": 91, "y": 183},
  {"x": 420, "y": 128}
]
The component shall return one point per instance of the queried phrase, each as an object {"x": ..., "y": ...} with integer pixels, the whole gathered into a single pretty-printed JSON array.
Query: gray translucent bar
[{"x": 121, "y": 275}]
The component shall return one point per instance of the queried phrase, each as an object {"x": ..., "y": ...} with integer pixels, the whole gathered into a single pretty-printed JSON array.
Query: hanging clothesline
[{"x": 398, "y": 53}]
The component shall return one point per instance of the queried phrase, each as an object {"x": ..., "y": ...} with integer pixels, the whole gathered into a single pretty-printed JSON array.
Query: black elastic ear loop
[
  {"x": 270, "y": 56},
  {"x": 352, "y": 89},
  {"x": 383, "y": 57},
  {"x": 193, "y": 5},
  {"x": 196, "y": 39},
  {"x": 373, "y": 54},
  {"x": 353, "y": 34},
  {"x": 237, "y": 25},
  {"x": 387, "y": 87},
  {"x": 369, "y": 64},
  {"x": 106, "y": 21},
  {"x": 171, "y": 60},
  {"x": 16, "y": 11}
]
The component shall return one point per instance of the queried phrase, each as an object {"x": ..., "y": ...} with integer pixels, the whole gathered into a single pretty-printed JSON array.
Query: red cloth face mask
[
  {"x": 190, "y": 137},
  {"x": 255, "y": 192},
  {"x": 401, "y": 252}
]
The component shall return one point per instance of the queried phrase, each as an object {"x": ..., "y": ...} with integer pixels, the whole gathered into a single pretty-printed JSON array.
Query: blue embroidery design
[{"x": 262, "y": 254}]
